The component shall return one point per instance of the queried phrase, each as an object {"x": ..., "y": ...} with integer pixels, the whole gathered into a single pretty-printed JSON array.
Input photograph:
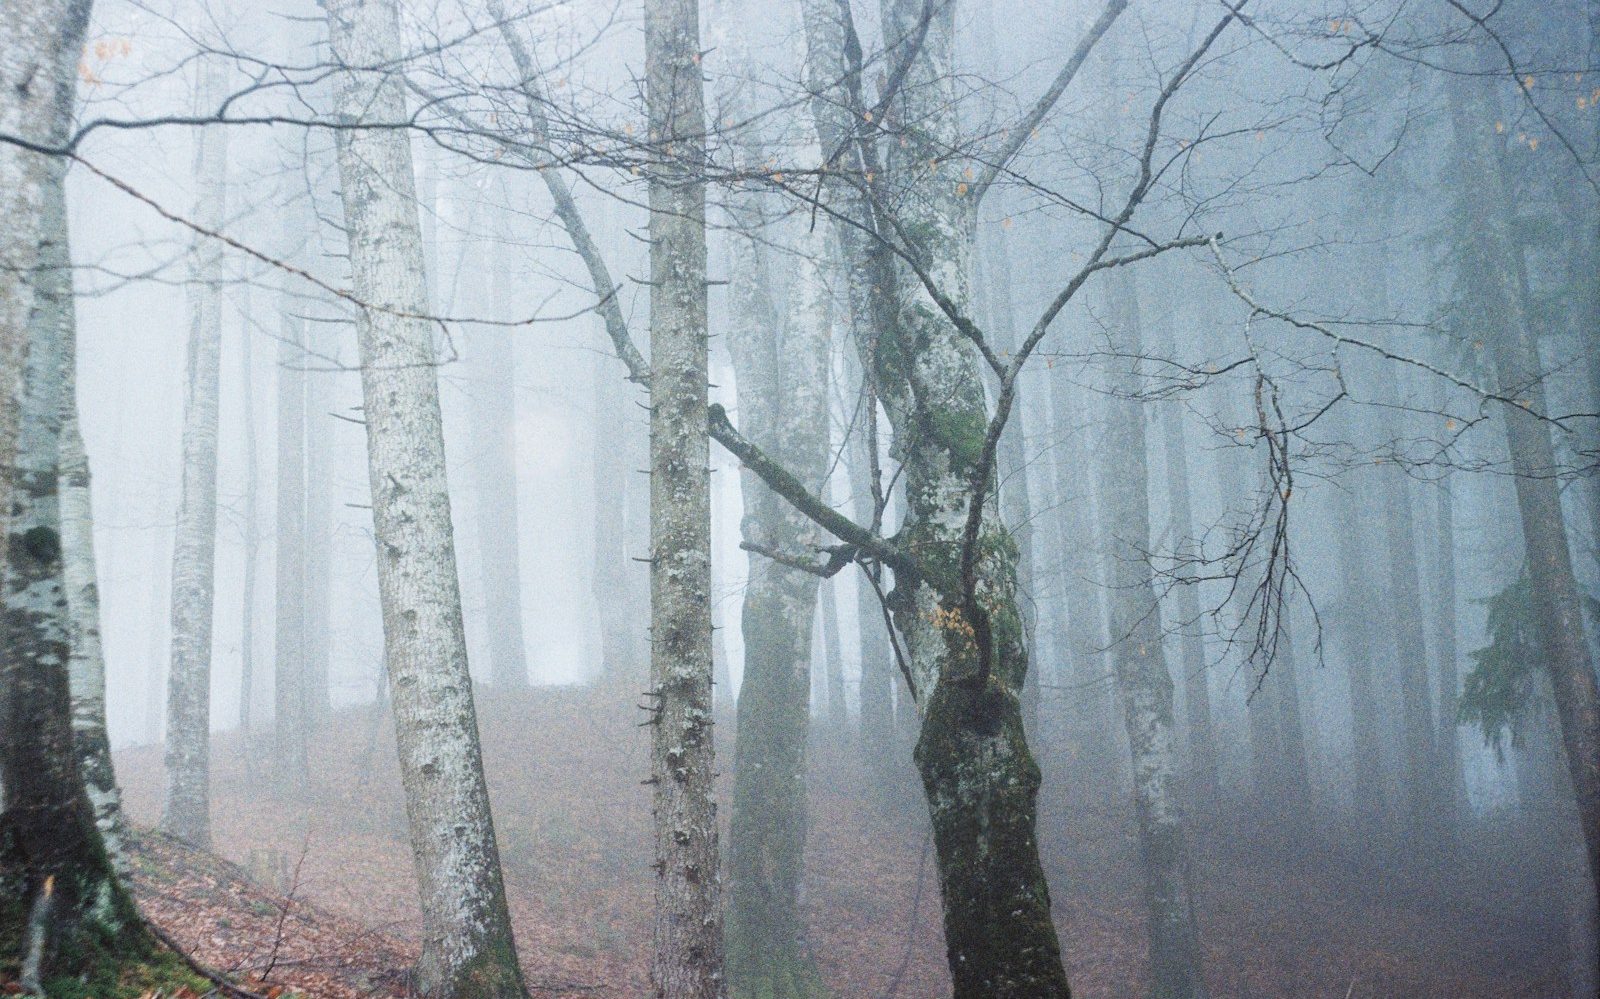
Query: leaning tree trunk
[
  {"x": 63, "y": 912},
  {"x": 1518, "y": 375},
  {"x": 687, "y": 962},
  {"x": 1144, "y": 683},
  {"x": 781, "y": 372},
  {"x": 187, "y": 813},
  {"x": 467, "y": 948}
]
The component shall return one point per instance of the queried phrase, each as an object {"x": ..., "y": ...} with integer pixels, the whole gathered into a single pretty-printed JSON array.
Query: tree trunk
[
  {"x": 1144, "y": 683},
  {"x": 781, "y": 371},
  {"x": 63, "y": 912},
  {"x": 687, "y": 962},
  {"x": 252, "y": 534},
  {"x": 1517, "y": 374},
  {"x": 291, "y": 728},
  {"x": 493, "y": 404},
  {"x": 979, "y": 777},
  {"x": 1184, "y": 608},
  {"x": 833, "y": 659},
  {"x": 467, "y": 948},
  {"x": 187, "y": 812}
]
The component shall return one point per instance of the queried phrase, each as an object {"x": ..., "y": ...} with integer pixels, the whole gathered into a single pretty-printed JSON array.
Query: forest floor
[{"x": 316, "y": 895}]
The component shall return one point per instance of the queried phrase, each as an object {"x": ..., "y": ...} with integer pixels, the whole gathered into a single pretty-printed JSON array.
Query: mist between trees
[{"x": 1098, "y": 491}]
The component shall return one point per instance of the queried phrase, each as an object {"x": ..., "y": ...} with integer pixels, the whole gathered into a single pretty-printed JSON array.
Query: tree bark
[
  {"x": 1144, "y": 683},
  {"x": 187, "y": 812},
  {"x": 467, "y": 948},
  {"x": 63, "y": 912},
  {"x": 687, "y": 960}
]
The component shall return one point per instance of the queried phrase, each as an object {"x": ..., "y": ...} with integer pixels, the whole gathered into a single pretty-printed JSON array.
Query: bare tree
[{"x": 467, "y": 949}]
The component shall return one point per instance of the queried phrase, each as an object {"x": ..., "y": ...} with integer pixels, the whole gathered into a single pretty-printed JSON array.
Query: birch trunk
[
  {"x": 187, "y": 812},
  {"x": 1517, "y": 373},
  {"x": 55, "y": 873},
  {"x": 687, "y": 961},
  {"x": 87, "y": 665},
  {"x": 467, "y": 948},
  {"x": 1144, "y": 683}
]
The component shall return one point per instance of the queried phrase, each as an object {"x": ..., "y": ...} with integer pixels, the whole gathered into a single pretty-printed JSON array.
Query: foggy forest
[{"x": 799, "y": 499}]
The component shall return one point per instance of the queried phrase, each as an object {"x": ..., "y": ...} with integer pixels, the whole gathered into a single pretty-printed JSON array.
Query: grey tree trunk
[
  {"x": 1184, "y": 610},
  {"x": 781, "y": 371},
  {"x": 467, "y": 947},
  {"x": 687, "y": 960},
  {"x": 55, "y": 872},
  {"x": 833, "y": 659},
  {"x": 1144, "y": 683},
  {"x": 493, "y": 404},
  {"x": 1358, "y": 647},
  {"x": 187, "y": 811},
  {"x": 1517, "y": 371},
  {"x": 252, "y": 532},
  {"x": 291, "y": 729},
  {"x": 979, "y": 777},
  {"x": 87, "y": 665}
]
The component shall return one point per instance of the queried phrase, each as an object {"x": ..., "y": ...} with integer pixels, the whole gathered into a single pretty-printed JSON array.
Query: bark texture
[
  {"x": 55, "y": 874},
  {"x": 687, "y": 961},
  {"x": 467, "y": 948}
]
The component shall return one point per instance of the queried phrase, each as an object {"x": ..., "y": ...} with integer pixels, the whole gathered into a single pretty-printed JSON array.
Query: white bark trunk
[
  {"x": 187, "y": 813},
  {"x": 467, "y": 946},
  {"x": 687, "y": 963}
]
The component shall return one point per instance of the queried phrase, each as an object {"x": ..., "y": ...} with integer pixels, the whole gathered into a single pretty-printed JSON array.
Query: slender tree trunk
[
  {"x": 1366, "y": 774},
  {"x": 252, "y": 533},
  {"x": 187, "y": 813},
  {"x": 1144, "y": 683},
  {"x": 316, "y": 561},
  {"x": 687, "y": 962},
  {"x": 1184, "y": 609},
  {"x": 833, "y": 659},
  {"x": 290, "y": 688},
  {"x": 615, "y": 478},
  {"x": 62, "y": 908},
  {"x": 781, "y": 371},
  {"x": 1517, "y": 373},
  {"x": 467, "y": 948},
  {"x": 493, "y": 404}
]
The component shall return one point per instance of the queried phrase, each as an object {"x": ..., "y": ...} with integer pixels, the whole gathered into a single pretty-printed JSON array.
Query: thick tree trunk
[
  {"x": 980, "y": 779},
  {"x": 187, "y": 812},
  {"x": 1144, "y": 682},
  {"x": 1517, "y": 374},
  {"x": 467, "y": 948},
  {"x": 87, "y": 665},
  {"x": 687, "y": 961},
  {"x": 62, "y": 909}
]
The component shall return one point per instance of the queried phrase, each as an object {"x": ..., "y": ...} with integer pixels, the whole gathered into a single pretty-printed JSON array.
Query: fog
[{"x": 778, "y": 499}]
